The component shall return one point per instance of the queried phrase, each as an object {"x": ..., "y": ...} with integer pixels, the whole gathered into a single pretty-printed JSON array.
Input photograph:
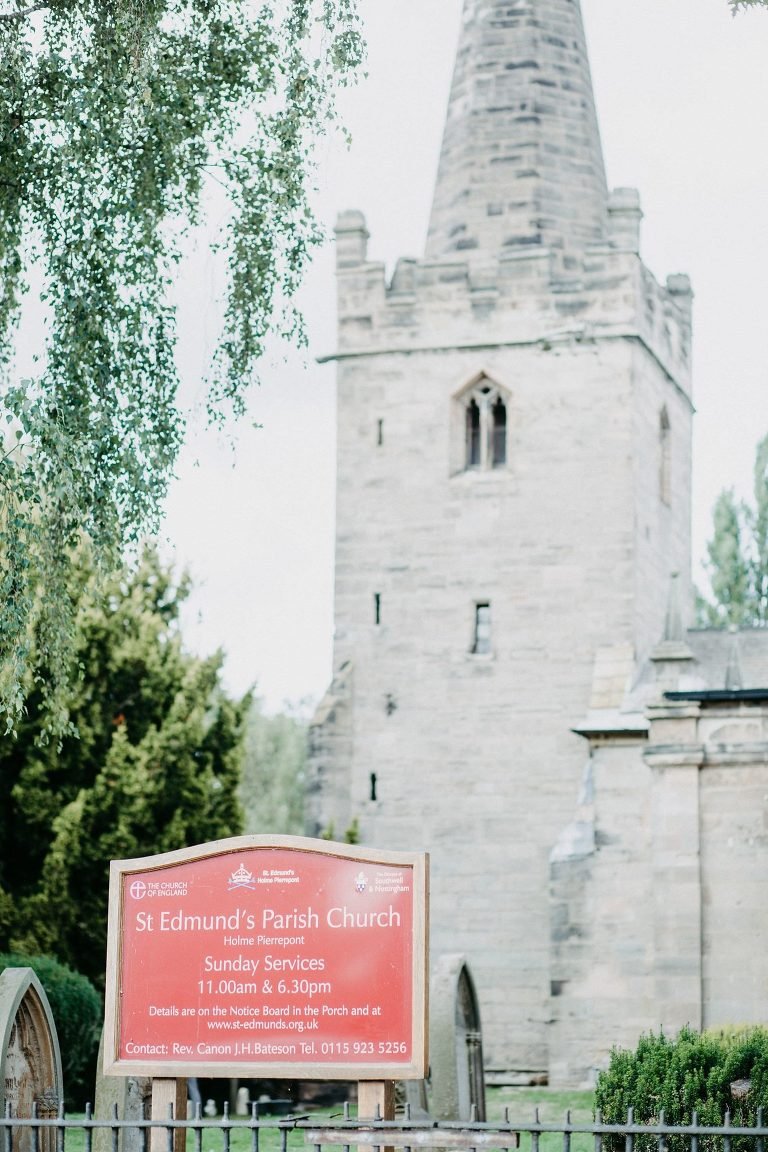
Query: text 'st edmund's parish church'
[{"x": 514, "y": 686}]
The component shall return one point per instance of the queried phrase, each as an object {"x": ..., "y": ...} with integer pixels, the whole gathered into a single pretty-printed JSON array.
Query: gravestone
[
  {"x": 455, "y": 1042},
  {"x": 30, "y": 1060}
]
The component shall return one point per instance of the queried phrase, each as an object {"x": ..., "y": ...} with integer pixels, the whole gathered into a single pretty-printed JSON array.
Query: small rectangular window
[
  {"x": 482, "y": 638},
  {"x": 379, "y": 432},
  {"x": 377, "y": 608}
]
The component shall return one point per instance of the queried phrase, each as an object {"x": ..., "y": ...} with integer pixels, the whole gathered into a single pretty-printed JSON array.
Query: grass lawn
[{"x": 553, "y": 1106}]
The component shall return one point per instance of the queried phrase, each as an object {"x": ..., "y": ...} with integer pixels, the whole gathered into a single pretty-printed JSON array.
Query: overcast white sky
[{"x": 682, "y": 95}]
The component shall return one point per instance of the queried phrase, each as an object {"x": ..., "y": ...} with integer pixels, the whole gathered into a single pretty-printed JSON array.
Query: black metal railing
[{"x": 256, "y": 1133}]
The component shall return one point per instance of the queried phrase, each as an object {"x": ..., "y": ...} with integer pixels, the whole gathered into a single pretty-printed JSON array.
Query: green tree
[
  {"x": 737, "y": 556},
  {"x": 116, "y": 119},
  {"x": 154, "y": 765},
  {"x": 274, "y": 759}
]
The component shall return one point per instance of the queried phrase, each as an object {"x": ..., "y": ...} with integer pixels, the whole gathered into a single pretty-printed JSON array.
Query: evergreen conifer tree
[{"x": 153, "y": 765}]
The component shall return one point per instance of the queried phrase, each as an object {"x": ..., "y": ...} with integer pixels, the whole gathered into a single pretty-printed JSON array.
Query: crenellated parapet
[{"x": 513, "y": 298}]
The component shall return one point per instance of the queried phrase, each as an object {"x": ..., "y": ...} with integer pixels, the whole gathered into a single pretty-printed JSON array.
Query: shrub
[
  {"x": 77, "y": 1014},
  {"x": 692, "y": 1073}
]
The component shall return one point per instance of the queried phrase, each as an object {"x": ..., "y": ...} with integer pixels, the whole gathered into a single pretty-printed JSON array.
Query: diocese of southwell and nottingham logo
[
  {"x": 242, "y": 878},
  {"x": 361, "y": 881}
]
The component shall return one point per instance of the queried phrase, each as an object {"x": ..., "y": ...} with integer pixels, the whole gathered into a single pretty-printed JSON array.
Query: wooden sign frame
[{"x": 317, "y": 946}]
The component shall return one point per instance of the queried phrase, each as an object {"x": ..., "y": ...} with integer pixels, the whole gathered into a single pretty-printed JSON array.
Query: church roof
[
  {"x": 521, "y": 163},
  {"x": 725, "y": 662}
]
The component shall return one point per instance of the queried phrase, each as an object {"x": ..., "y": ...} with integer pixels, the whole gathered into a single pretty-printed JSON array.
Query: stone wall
[
  {"x": 602, "y": 925},
  {"x": 734, "y": 867},
  {"x": 657, "y": 916}
]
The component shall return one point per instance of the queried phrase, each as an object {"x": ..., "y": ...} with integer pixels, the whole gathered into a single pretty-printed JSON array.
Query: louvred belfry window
[
  {"x": 485, "y": 425},
  {"x": 473, "y": 434},
  {"x": 498, "y": 433}
]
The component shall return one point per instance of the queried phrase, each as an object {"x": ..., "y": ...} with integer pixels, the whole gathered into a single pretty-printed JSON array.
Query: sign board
[{"x": 268, "y": 957}]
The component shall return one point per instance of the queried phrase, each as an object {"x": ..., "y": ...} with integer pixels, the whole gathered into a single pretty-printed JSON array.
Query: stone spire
[{"x": 521, "y": 165}]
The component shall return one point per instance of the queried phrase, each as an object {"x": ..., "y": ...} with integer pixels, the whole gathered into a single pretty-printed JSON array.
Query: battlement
[{"x": 518, "y": 296}]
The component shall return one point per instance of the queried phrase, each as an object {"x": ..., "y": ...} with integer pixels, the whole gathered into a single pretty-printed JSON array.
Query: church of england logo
[{"x": 241, "y": 878}]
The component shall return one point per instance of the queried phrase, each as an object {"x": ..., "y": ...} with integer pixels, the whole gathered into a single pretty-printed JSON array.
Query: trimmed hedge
[
  {"x": 77, "y": 1014},
  {"x": 695, "y": 1072}
]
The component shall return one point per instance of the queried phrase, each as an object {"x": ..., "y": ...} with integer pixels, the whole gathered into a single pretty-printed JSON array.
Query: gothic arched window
[{"x": 485, "y": 426}]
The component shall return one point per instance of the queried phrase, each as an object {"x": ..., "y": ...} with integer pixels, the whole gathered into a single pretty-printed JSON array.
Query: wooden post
[
  {"x": 168, "y": 1095},
  {"x": 373, "y": 1095},
  {"x": 375, "y": 1100}
]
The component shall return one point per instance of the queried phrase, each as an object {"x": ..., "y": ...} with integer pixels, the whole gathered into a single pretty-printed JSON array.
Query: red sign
[{"x": 268, "y": 957}]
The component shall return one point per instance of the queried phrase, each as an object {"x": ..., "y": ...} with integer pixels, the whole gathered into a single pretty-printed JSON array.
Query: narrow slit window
[
  {"x": 665, "y": 458},
  {"x": 482, "y": 638},
  {"x": 377, "y": 608},
  {"x": 373, "y": 785},
  {"x": 379, "y": 432}
]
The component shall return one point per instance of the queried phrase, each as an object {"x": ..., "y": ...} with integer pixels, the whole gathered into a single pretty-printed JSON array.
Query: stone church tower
[{"x": 514, "y": 431}]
